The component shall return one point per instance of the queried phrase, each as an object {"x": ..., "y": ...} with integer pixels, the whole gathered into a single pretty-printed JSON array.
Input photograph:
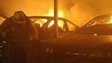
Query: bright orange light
[
  {"x": 51, "y": 13},
  {"x": 60, "y": 14},
  {"x": 60, "y": 23},
  {"x": 41, "y": 21},
  {"x": 51, "y": 23},
  {"x": 110, "y": 20}
]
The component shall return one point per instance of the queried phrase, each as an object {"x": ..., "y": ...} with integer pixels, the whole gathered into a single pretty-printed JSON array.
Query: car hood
[{"x": 78, "y": 41}]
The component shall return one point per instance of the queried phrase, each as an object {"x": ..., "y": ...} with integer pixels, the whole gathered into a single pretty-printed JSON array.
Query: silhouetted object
[
  {"x": 52, "y": 29},
  {"x": 1, "y": 37},
  {"x": 38, "y": 26},
  {"x": 19, "y": 34}
]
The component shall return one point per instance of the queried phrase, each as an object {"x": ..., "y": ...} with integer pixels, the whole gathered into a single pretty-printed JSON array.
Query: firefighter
[{"x": 19, "y": 34}]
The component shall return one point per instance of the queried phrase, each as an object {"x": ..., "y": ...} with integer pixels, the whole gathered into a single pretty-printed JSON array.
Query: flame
[
  {"x": 60, "y": 14},
  {"x": 51, "y": 13},
  {"x": 41, "y": 22},
  {"x": 60, "y": 23},
  {"x": 110, "y": 20}
]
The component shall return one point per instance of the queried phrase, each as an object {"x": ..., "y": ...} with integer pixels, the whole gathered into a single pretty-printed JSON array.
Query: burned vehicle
[
  {"x": 92, "y": 42},
  {"x": 45, "y": 26}
]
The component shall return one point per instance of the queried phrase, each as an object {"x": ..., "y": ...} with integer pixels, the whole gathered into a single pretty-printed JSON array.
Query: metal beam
[{"x": 56, "y": 17}]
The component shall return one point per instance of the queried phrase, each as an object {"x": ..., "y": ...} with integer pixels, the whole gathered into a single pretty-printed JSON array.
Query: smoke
[
  {"x": 81, "y": 11},
  {"x": 78, "y": 11},
  {"x": 30, "y": 7}
]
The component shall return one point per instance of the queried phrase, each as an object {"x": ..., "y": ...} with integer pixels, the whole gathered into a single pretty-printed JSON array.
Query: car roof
[{"x": 52, "y": 18}]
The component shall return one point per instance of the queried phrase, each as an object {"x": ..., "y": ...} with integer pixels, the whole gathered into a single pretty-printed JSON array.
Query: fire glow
[
  {"x": 60, "y": 14},
  {"x": 51, "y": 13},
  {"x": 110, "y": 20}
]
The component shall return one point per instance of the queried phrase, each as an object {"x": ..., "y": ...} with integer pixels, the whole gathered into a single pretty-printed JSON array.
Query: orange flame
[
  {"x": 60, "y": 14},
  {"x": 110, "y": 20},
  {"x": 51, "y": 13}
]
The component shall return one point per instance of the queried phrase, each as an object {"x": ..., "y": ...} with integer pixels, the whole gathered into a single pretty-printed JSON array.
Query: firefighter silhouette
[{"x": 19, "y": 34}]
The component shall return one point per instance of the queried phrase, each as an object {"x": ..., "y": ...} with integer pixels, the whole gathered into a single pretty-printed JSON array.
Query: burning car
[
  {"x": 46, "y": 26},
  {"x": 91, "y": 42}
]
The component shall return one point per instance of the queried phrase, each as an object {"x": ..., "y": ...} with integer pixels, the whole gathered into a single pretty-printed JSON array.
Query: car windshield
[
  {"x": 98, "y": 25},
  {"x": 103, "y": 19}
]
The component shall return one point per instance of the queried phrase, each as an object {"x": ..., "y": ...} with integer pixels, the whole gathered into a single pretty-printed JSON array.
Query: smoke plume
[{"x": 81, "y": 11}]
